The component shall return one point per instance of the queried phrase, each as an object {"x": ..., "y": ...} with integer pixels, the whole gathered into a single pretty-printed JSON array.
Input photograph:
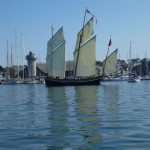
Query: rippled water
[{"x": 113, "y": 115}]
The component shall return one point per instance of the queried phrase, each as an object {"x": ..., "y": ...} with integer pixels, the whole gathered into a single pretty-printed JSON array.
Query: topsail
[{"x": 87, "y": 32}]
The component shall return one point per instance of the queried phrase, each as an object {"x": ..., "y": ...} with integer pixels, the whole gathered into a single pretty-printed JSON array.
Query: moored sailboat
[
  {"x": 84, "y": 58},
  {"x": 8, "y": 81},
  {"x": 132, "y": 75}
]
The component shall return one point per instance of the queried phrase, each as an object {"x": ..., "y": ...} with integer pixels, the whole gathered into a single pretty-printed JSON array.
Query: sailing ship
[
  {"x": 110, "y": 68},
  {"x": 84, "y": 58}
]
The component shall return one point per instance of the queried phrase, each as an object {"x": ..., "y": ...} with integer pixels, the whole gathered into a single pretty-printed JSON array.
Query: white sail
[
  {"x": 58, "y": 61},
  {"x": 110, "y": 63},
  {"x": 86, "y": 65},
  {"x": 55, "y": 41},
  {"x": 87, "y": 32},
  {"x": 56, "y": 55}
]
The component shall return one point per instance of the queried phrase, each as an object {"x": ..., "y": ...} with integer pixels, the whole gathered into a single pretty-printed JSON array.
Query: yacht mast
[
  {"x": 130, "y": 58},
  {"x": 7, "y": 59},
  {"x": 16, "y": 47},
  {"x": 12, "y": 72},
  {"x": 22, "y": 58}
]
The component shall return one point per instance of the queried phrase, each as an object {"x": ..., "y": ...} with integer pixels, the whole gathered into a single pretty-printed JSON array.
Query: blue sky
[{"x": 122, "y": 20}]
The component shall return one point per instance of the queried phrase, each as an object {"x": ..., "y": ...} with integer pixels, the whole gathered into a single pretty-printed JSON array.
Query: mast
[
  {"x": 69, "y": 69},
  {"x": 11, "y": 63},
  {"x": 39, "y": 65},
  {"x": 105, "y": 63},
  {"x": 52, "y": 31},
  {"x": 106, "y": 57},
  {"x": 146, "y": 63},
  {"x": 130, "y": 56},
  {"x": 76, "y": 65},
  {"x": 7, "y": 59},
  {"x": 22, "y": 58},
  {"x": 16, "y": 47}
]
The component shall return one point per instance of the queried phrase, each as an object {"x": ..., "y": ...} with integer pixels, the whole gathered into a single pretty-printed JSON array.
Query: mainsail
[
  {"x": 85, "y": 51},
  {"x": 87, "y": 58},
  {"x": 56, "y": 55},
  {"x": 110, "y": 63}
]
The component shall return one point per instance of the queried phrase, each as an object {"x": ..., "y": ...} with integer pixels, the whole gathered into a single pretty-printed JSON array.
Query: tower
[{"x": 31, "y": 61}]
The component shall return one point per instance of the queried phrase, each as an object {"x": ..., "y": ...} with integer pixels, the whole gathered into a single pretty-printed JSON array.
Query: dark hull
[{"x": 72, "y": 82}]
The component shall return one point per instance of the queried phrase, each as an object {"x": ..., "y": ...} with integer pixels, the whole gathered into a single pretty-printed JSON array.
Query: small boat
[
  {"x": 133, "y": 78},
  {"x": 8, "y": 82},
  {"x": 20, "y": 81},
  {"x": 84, "y": 58},
  {"x": 33, "y": 81},
  {"x": 111, "y": 79},
  {"x": 145, "y": 78}
]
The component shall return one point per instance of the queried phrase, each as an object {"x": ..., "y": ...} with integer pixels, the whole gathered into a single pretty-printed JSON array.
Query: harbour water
[{"x": 113, "y": 115}]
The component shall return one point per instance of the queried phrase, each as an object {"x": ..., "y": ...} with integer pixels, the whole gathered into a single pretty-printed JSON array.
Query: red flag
[
  {"x": 87, "y": 11},
  {"x": 91, "y": 14},
  {"x": 109, "y": 42}
]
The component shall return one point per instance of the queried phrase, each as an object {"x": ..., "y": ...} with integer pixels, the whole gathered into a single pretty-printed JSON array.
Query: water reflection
[
  {"x": 58, "y": 107},
  {"x": 109, "y": 116},
  {"x": 73, "y": 117},
  {"x": 87, "y": 112},
  {"x": 111, "y": 99}
]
